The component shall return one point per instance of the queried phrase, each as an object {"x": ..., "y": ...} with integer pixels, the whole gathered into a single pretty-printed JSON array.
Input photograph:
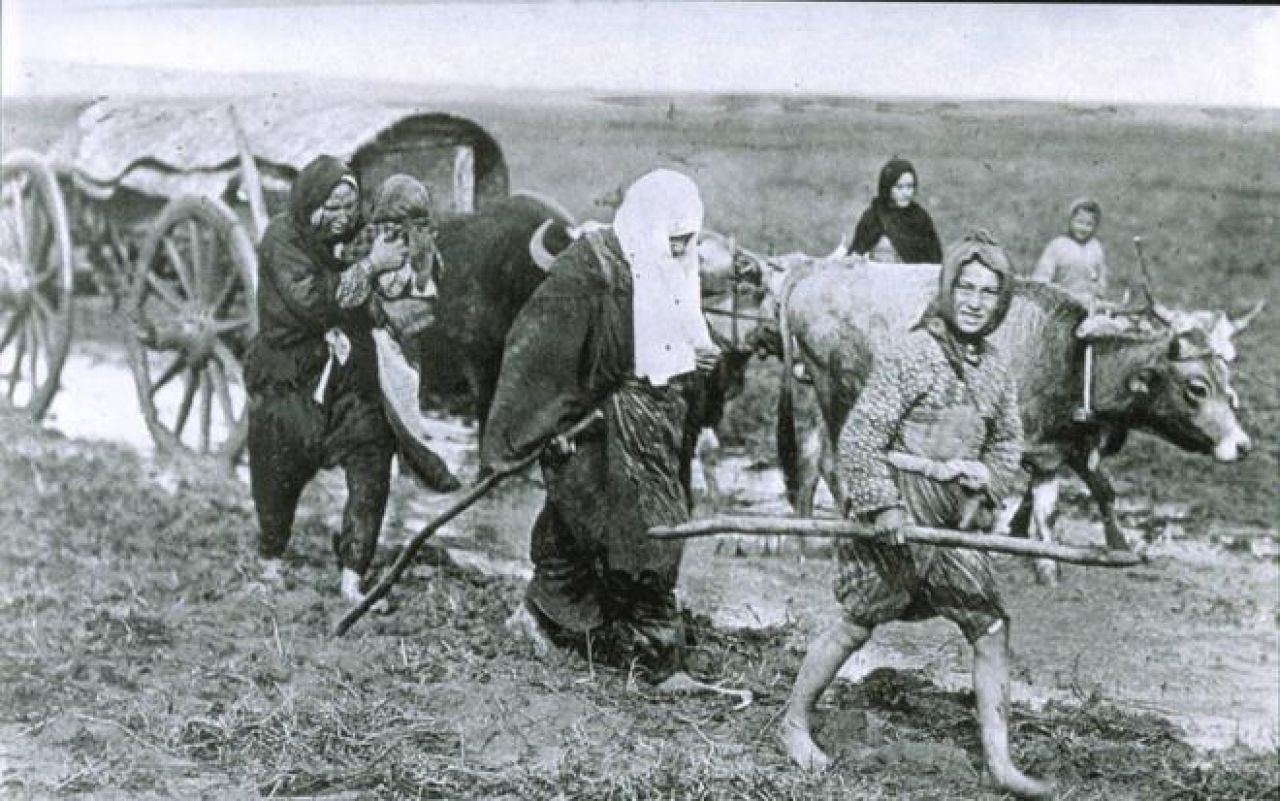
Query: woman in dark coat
[
  {"x": 311, "y": 372},
  {"x": 895, "y": 228},
  {"x": 616, "y": 327}
]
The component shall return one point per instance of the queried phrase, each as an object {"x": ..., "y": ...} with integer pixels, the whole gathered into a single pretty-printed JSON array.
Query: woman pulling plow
[{"x": 934, "y": 439}]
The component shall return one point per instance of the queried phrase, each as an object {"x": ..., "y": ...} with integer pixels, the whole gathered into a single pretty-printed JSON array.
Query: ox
[
  {"x": 487, "y": 271},
  {"x": 835, "y": 314}
]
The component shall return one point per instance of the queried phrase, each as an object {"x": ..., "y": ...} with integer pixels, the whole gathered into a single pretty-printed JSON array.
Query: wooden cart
[{"x": 160, "y": 205}]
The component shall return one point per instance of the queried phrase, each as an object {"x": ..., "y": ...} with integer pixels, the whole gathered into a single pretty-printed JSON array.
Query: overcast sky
[{"x": 1160, "y": 54}]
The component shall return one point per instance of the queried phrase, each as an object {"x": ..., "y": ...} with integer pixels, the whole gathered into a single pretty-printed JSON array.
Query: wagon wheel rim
[
  {"x": 35, "y": 283},
  {"x": 192, "y": 312}
]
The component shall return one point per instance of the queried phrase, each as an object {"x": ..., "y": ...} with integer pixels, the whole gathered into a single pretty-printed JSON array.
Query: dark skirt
[{"x": 593, "y": 560}]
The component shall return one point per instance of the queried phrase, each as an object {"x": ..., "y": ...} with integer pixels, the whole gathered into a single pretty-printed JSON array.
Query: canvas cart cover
[{"x": 172, "y": 147}]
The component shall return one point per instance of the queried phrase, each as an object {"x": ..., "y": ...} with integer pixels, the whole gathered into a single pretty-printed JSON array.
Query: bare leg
[
  {"x": 991, "y": 689},
  {"x": 826, "y": 656},
  {"x": 707, "y": 452}
]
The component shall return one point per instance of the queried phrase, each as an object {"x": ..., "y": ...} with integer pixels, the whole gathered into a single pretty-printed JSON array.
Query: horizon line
[{"x": 584, "y": 89}]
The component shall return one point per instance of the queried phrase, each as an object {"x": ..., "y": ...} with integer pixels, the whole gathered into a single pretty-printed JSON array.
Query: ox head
[{"x": 1180, "y": 389}]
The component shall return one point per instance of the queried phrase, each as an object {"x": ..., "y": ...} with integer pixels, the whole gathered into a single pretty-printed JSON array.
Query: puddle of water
[{"x": 97, "y": 400}]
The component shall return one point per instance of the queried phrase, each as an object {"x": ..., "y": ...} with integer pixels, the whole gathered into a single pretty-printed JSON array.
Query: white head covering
[{"x": 666, "y": 302}]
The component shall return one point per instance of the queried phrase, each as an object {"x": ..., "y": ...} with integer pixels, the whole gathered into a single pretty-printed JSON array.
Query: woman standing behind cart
[
  {"x": 895, "y": 228},
  {"x": 312, "y": 373}
]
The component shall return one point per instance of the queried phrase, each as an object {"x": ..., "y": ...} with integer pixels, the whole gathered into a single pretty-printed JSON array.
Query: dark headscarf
[
  {"x": 309, "y": 192},
  {"x": 981, "y": 247},
  {"x": 910, "y": 229}
]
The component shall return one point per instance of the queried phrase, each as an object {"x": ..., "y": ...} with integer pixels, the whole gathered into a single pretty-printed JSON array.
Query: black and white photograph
[{"x": 639, "y": 400}]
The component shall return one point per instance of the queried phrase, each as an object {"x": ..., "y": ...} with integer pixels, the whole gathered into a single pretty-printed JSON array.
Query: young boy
[{"x": 1075, "y": 260}]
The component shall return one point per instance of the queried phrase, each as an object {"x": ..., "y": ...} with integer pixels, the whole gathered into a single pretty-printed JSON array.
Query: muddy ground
[{"x": 142, "y": 658}]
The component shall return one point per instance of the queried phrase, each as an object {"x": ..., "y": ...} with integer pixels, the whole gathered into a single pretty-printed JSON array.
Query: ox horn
[
  {"x": 1146, "y": 274},
  {"x": 1243, "y": 321},
  {"x": 538, "y": 248}
]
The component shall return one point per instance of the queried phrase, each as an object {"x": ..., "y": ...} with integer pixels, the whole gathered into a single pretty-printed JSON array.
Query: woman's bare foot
[
  {"x": 1012, "y": 780},
  {"x": 272, "y": 572},
  {"x": 522, "y": 624},
  {"x": 352, "y": 592},
  {"x": 799, "y": 745}
]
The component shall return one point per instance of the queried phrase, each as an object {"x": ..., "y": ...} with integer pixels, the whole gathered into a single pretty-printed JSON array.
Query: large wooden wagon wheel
[
  {"x": 192, "y": 311},
  {"x": 35, "y": 283}
]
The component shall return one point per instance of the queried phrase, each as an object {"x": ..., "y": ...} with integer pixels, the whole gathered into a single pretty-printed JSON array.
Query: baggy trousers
[{"x": 291, "y": 438}]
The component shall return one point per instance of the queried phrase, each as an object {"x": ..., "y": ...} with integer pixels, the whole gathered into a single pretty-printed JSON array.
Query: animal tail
[{"x": 788, "y": 442}]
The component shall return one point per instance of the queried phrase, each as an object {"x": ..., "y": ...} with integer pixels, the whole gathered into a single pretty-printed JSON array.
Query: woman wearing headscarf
[
  {"x": 933, "y": 440},
  {"x": 895, "y": 228},
  {"x": 311, "y": 372},
  {"x": 616, "y": 327}
]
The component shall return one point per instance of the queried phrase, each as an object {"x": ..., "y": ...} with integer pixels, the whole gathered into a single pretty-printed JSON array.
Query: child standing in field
[{"x": 1075, "y": 260}]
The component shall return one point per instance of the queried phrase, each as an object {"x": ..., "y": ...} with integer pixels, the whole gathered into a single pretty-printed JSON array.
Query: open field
[{"x": 142, "y": 660}]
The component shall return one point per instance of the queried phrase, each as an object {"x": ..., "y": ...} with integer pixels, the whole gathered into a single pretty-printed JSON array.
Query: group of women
[{"x": 615, "y": 335}]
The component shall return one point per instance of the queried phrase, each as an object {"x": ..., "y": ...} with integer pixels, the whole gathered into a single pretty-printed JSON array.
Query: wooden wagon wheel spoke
[
  {"x": 215, "y": 267},
  {"x": 179, "y": 266},
  {"x": 12, "y": 328},
  {"x": 224, "y": 294},
  {"x": 206, "y": 409},
  {"x": 227, "y": 326},
  {"x": 230, "y": 364},
  {"x": 184, "y": 409},
  {"x": 41, "y": 305},
  {"x": 40, "y": 343},
  {"x": 166, "y": 294},
  {"x": 33, "y": 355},
  {"x": 40, "y": 261},
  {"x": 16, "y": 372},
  {"x": 179, "y": 362},
  {"x": 224, "y": 392},
  {"x": 197, "y": 260}
]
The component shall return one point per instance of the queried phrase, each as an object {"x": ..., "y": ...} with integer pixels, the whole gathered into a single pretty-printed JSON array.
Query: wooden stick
[
  {"x": 848, "y": 529},
  {"x": 477, "y": 491},
  {"x": 249, "y": 178}
]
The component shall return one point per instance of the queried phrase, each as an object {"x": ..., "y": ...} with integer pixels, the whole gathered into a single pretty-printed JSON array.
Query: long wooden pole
[
  {"x": 249, "y": 178},
  {"x": 477, "y": 491},
  {"x": 848, "y": 529}
]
